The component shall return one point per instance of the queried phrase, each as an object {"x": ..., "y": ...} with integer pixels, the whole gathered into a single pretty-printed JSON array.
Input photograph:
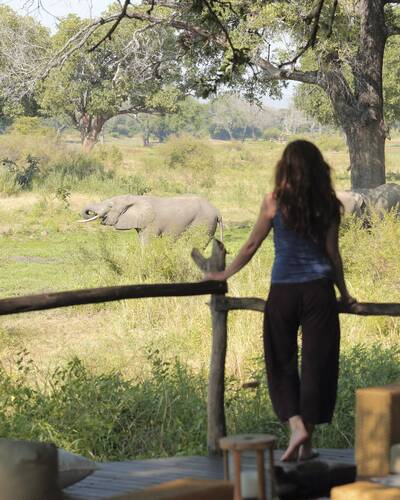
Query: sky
[{"x": 52, "y": 10}]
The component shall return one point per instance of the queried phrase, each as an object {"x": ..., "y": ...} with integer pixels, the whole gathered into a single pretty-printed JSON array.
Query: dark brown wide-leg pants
[{"x": 311, "y": 305}]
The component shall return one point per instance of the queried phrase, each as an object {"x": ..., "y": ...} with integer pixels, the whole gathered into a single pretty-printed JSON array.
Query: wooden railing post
[{"x": 216, "y": 425}]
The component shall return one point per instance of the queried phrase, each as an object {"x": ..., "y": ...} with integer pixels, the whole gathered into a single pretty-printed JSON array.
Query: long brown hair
[{"x": 304, "y": 192}]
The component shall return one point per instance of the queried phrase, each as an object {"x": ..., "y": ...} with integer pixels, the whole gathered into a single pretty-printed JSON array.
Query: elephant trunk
[
  {"x": 88, "y": 212},
  {"x": 91, "y": 212}
]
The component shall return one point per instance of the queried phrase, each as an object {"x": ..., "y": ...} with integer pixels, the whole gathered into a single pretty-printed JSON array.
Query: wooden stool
[{"x": 249, "y": 442}]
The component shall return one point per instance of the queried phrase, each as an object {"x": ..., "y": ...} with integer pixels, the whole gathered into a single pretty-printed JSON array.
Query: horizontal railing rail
[
  {"x": 359, "y": 308},
  {"x": 107, "y": 294}
]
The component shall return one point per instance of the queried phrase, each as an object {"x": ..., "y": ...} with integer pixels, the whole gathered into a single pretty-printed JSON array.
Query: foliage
[
  {"x": 189, "y": 117},
  {"x": 163, "y": 413},
  {"x": 105, "y": 416},
  {"x": 109, "y": 155},
  {"x": 136, "y": 184},
  {"x": 24, "y": 44},
  {"x": 193, "y": 156},
  {"x": 119, "y": 77},
  {"x": 272, "y": 134},
  {"x": 391, "y": 79},
  {"x": 315, "y": 103},
  {"x": 25, "y": 173},
  {"x": 30, "y": 125},
  {"x": 78, "y": 166}
]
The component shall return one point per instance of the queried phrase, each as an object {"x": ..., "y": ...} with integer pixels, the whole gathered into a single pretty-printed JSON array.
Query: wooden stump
[{"x": 377, "y": 428}]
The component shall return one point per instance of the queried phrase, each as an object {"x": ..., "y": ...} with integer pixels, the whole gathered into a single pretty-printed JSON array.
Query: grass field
[{"x": 146, "y": 360}]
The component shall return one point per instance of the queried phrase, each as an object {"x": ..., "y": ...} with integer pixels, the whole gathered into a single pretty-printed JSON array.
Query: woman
[{"x": 305, "y": 214}]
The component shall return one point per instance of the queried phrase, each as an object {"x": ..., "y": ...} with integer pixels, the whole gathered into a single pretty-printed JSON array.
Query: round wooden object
[{"x": 243, "y": 442}]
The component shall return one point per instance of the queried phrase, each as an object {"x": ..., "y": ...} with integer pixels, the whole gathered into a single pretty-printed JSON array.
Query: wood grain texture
[{"x": 121, "y": 477}]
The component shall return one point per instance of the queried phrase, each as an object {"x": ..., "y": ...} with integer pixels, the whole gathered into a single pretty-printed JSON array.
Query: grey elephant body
[
  {"x": 154, "y": 215},
  {"x": 361, "y": 202}
]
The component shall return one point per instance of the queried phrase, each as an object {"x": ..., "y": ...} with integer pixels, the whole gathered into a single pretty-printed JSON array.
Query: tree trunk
[
  {"x": 366, "y": 145},
  {"x": 367, "y": 133},
  {"x": 91, "y": 128}
]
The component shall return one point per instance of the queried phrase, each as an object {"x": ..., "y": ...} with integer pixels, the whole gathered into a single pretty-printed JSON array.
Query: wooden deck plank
[{"x": 114, "y": 478}]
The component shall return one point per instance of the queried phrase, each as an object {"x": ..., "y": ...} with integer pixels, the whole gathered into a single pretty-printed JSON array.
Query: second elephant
[
  {"x": 154, "y": 215},
  {"x": 362, "y": 202}
]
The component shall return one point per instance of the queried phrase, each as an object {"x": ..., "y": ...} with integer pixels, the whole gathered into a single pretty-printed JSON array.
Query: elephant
[
  {"x": 361, "y": 202},
  {"x": 155, "y": 216}
]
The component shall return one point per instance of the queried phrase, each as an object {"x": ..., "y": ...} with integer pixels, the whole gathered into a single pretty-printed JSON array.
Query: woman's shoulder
[{"x": 270, "y": 205}]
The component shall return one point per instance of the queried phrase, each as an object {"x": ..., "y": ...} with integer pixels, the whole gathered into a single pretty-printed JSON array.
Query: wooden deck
[{"x": 120, "y": 477}]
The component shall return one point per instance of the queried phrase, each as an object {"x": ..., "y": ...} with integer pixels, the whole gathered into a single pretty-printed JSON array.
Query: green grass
[{"x": 142, "y": 361}]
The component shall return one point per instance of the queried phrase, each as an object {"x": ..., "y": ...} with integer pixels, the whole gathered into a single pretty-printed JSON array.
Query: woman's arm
[
  {"x": 260, "y": 231},
  {"x": 332, "y": 249}
]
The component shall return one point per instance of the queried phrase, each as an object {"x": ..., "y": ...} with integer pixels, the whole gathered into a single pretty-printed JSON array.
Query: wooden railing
[{"x": 220, "y": 305}]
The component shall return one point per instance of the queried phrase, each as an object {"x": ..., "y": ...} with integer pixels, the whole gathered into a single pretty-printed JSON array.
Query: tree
[
  {"x": 188, "y": 117},
  {"x": 228, "y": 43},
  {"x": 23, "y": 44},
  {"x": 135, "y": 72},
  {"x": 315, "y": 103}
]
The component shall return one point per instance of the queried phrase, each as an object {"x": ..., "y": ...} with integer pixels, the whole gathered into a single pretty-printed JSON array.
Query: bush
[
  {"x": 272, "y": 134},
  {"x": 77, "y": 166},
  {"x": 29, "y": 125},
  {"x": 109, "y": 155},
  {"x": 135, "y": 184},
  {"x": 58, "y": 163},
  {"x": 105, "y": 416},
  {"x": 194, "y": 156},
  {"x": 163, "y": 412},
  {"x": 8, "y": 184},
  {"x": 20, "y": 176}
]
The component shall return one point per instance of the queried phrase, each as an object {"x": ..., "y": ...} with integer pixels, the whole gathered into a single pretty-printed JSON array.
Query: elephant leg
[{"x": 147, "y": 234}]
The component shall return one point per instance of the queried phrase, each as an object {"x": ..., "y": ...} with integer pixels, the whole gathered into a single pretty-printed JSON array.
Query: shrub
[
  {"x": 29, "y": 125},
  {"x": 21, "y": 175},
  {"x": 272, "y": 134},
  {"x": 135, "y": 184},
  {"x": 194, "y": 156},
  {"x": 8, "y": 184},
  {"x": 105, "y": 416},
  {"x": 108, "y": 155},
  {"x": 77, "y": 166}
]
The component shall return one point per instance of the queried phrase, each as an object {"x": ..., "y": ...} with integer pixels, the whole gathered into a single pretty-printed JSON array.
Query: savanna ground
[{"x": 128, "y": 379}]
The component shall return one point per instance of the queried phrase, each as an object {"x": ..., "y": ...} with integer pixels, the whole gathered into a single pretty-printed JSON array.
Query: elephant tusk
[{"x": 88, "y": 220}]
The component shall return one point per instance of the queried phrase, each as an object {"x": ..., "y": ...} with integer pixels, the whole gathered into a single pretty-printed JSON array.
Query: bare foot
[
  {"x": 306, "y": 451},
  {"x": 298, "y": 436}
]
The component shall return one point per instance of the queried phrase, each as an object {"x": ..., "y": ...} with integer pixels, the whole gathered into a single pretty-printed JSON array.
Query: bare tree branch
[{"x": 108, "y": 35}]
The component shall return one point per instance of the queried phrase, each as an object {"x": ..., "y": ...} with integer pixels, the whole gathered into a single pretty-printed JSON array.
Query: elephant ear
[{"x": 138, "y": 215}]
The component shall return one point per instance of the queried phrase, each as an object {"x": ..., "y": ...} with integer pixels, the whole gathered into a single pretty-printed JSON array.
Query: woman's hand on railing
[{"x": 348, "y": 300}]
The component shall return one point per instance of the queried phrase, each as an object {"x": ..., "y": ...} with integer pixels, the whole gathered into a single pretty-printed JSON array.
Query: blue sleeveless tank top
[{"x": 297, "y": 259}]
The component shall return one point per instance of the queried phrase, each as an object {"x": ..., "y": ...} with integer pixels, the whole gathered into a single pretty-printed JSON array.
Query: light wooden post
[{"x": 216, "y": 425}]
